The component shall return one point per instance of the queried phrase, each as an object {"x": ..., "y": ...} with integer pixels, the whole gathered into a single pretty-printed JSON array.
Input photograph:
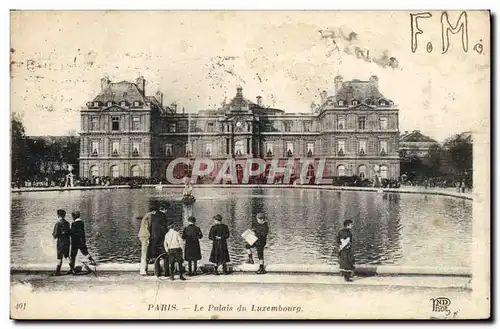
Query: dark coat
[
  {"x": 78, "y": 234},
  {"x": 192, "y": 235},
  {"x": 219, "y": 233},
  {"x": 346, "y": 255},
  {"x": 261, "y": 231},
  {"x": 62, "y": 233},
  {"x": 158, "y": 230}
]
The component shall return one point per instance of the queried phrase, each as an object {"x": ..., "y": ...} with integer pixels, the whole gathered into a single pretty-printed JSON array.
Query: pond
[{"x": 402, "y": 229}]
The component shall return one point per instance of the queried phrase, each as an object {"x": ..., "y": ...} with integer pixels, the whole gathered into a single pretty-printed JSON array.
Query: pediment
[
  {"x": 115, "y": 108},
  {"x": 363, "y": 107}
]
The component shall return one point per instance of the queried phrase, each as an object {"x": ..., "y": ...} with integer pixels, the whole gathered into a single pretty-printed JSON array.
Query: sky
[{"x": 197, "y": 59}]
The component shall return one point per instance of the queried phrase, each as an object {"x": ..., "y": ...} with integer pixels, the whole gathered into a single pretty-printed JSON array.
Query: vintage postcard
[{"x": 250, "y": 164}]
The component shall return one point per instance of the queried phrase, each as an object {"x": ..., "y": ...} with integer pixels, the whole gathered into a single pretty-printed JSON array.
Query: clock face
[{"x": 238, "y": 124}]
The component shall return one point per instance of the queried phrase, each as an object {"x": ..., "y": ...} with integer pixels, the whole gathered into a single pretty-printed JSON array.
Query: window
[
  {"x": 383, "y": 171},
  {"x": 134, "y": 171},
  {"x": 383, "y": 123},
  {"x": 382, "y": 103},
  {"x": 94, "y": 171},
  {"x": 239, "y": 148},
  {"x": 341, "y": 122},
  {"x": 94, "y": 148},
  {"x": 135, "y": 148},
  {"x": 136, "y": 123},
  {"x": 341, "y": 103},
  {"x": 362, "y": 171},
  {"x": 362, "y": 123},
  {"x": 208, "y": 148},
  {"x": 94, "y": 123},
  {"x": 110, "y": 103},
  {"x": 288, "y": 126},
  {"x": 269, "y": 149},
  {"x": 354, "y": 102},
  {"x": 172, "y": 127},
  {"x": 310, "y": 149},
  {"x": 249, "y": 126},
  {"x": 115, "y": 148},
  {"x": 188, "y": 149},
  {"x": 307, "y": 126},
  {"x": 341, "y": 147},
  {"x": 228, "y": 149},
  {"x": 383, "y": 147},
  {"x": 362, "y": 147},
  {"x": 96, "y": 104},
  {"x": 289, "y": 149},
  {"x": 136, "y": 103},
  {"x": 115, "y": 171},
  {"x": 210, "y": 127},
  {"x": 123, "y": 103},
  {"x": 115, "y": 123},
  {"x": 341, "y": 170},
  {"x": 168, "y": 150}
]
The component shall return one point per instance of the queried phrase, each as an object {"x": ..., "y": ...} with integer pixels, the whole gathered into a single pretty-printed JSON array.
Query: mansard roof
[
  {"x": 120, "y": 91},
  {"x": 362, "y": 91}
]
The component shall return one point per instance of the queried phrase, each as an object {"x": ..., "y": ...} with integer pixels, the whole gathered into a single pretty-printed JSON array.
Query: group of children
[
  {"x": 70, "y": 238},
  {"x": 158, "y": 237}
]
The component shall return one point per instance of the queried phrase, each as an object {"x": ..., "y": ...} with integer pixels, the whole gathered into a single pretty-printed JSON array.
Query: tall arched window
[
  {"x": 239, "y": 172},
  {"x": 115, "y": 171},
  {"x": 134, "y": 171},
  {"x": 341, "y": 170},
  {"x": 362, "y": 171},
  {"x": 94, "y": 171},
  {"x": 383, "y": 171},
  {"x": 310, "y": 170}
]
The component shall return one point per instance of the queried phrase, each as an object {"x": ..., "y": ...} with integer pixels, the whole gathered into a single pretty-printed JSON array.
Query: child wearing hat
[
  {"x": 78, "y": 241},
  {"x": 173, "y": 245},
  {"x": 219, "y": 233},
  {"x": 261, "y": 230},
  {"x": 192, "y": 253},
  {"x": 62, "y": 233}
]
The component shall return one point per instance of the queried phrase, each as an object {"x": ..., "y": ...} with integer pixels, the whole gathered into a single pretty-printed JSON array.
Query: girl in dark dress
[
  {"x": 192, "y": 253},
  {"x": 219, "y": 233},
  {"x": 346, "y": 253}
]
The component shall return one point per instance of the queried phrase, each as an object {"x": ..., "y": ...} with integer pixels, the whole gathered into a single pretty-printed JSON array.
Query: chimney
[
  {"x": 259, "y": 100},
  {"x": 374, "y": 80},
  {"x": 174, "y": 107},
  {"x": 324, "y": 96},
  {"x": 313, "y": 107},
  {"x": 105, "y": 83},
  {"x": 239, "y": 91},
  {"x": 406, "y": 132},
  {"x": 141, "y": 84},
  {"x": 159, "y": 94},
  {"x": 338, "y": 83}
]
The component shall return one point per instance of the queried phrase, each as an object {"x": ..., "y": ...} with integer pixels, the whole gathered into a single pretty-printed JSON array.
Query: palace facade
[{"x": 126, "y": 133}]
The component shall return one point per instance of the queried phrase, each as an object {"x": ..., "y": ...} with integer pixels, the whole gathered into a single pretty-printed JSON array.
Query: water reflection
[{"x": 388, "y": 228}]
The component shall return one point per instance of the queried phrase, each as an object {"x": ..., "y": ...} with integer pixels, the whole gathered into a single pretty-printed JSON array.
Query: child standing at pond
[
  {"x": 173, "y": 245},
  {"x": 261, "y": 230},
  {"x": 192, "y": 253},
  {"x": 219, "y": 233},
  {"x": 62, "y": 233},
  {"x": 346, "y": 253},
  {"x": 78, "y": 242}
]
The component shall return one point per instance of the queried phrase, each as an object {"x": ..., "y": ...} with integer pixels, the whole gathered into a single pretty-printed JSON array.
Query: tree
[
  {"x": 18, "y": 148},
  {"x": 459, "y": 152}
]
